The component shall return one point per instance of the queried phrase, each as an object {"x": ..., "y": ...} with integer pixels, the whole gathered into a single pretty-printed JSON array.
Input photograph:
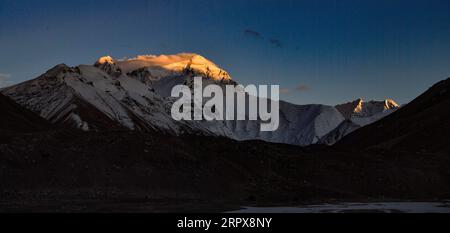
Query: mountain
[
  {"x": 134, "y": 94},
  {"x": 358, "y": 114},
  {"x": 15, "y": 118},
  {"x": 422, "y": 126},
  {"x": 168, "y": 65},
  {"x": 403, "y": 156},
  {"x": 363, "y": 113},
  {"x": 346, "y": 127}
]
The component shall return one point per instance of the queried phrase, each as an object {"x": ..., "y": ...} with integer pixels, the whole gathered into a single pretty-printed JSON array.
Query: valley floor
[{"x": 71, "y": 171}]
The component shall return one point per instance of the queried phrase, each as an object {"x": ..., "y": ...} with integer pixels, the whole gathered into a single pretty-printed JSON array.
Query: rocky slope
[
  {"x": 358, "y": 114},
  {"x": 134, "y": 94}
]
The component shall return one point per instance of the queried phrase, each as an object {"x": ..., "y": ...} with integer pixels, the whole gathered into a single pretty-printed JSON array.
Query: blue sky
[{"x": 322, "y": 51}]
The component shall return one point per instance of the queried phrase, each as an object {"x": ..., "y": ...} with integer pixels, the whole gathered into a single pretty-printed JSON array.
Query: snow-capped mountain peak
[
  {"x": 105, "y": 59},
  {"x": 169, "y": 65},
  {"x": 359, "y": 113},
  {"x": 348, "y": 109},
  {"x": 134, "y": 94},
  {"x": 362, "y": 108},
  {"x": 390, "y": 104},
  {"x": 373, "y": 108},
  {"x": 108, "y": 65}
]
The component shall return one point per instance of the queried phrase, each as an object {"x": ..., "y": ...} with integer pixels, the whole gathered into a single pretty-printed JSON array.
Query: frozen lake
[{"x": 381, "y": 207}]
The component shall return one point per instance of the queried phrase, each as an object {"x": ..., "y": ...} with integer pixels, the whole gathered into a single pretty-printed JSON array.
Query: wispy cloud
[
  {"x": 252, "y": 33},
  {"x": 299, "y": 88},
  {"x": 4, "y": 80},
  {"x": 303, "y": 88},
  {"x": 285, "y": 90},
  {"x": 276, "y": 42}
]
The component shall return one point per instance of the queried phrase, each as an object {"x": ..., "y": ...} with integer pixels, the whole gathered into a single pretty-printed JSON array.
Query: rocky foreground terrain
[{"x": 123, "y": 167}]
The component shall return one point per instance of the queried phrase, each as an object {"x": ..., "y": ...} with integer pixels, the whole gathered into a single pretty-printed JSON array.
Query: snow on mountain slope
[
  {"x": 369, "y": 112},
  {"x": 90, "y": 99},
  {"x": 169, "y": 65},
  {"x": 134, "y": 94},
  {"x": 358, "y": 114},
  {"x": 345, "y": 128},
  {"x": 50, "y": 97},
  {"x": 299, "y": 125},
  {"x": 363, "y": 113}
]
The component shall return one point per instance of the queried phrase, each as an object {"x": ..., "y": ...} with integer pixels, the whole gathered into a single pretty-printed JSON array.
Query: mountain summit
[
  {"x": 357, "y": 114},
  {"x": 164, "y": 65},
  {"x": 134, "y": 94},
  {"x": 366, "y": 109}
]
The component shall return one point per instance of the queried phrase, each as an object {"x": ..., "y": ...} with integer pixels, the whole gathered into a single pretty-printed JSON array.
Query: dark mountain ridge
[
  {"x": 422, "y": 126},
  {"x": 14, "y": 117}
]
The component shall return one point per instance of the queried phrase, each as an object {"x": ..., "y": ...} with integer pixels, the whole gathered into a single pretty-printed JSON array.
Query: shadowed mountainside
[
  {"x": 422, "y": 126},
  {"x": 71, "y": 170},
  {"x": 13, "y": 117},
  {"x": 165, "y": 171}
]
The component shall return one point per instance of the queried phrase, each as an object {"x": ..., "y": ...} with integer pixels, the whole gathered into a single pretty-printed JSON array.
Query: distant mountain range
[
  {"x": 134, "y": 94},
  {"x": 357, "y": 114}
]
